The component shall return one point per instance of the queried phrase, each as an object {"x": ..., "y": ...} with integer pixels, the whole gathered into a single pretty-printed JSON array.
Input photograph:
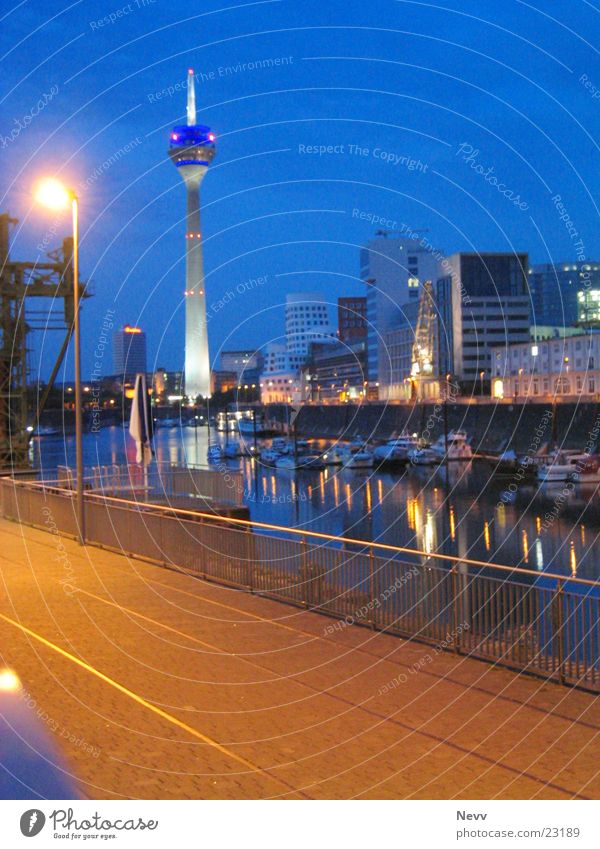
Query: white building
[
  {"x": 306, "y": 321},
  {"x": 567, "y": 366}
]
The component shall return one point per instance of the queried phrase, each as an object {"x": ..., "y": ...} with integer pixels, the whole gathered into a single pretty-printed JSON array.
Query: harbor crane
[
  {"x": 423, "y": 381},
  {"x": 19, "y": 283}
]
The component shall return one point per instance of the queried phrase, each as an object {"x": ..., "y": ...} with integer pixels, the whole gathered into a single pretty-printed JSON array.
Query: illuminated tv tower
[{"x": 192, "y": 149}]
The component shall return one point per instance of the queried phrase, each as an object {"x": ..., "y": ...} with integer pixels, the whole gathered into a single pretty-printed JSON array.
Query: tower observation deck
[{"x": 192, "y": 149}]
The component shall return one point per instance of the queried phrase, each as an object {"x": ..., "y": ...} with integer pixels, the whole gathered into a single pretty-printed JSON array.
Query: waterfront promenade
[{"x": 154, "y": 684}]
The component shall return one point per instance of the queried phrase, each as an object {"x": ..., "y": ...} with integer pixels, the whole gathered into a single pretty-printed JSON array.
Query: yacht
[
  {"x": 358, "y": 457},
  {"x": 395, "y": 451},
  {"x": 304, "y": 461},
  {"x": 587, "y": 469},
  {"x": 247, "y": 427},
  {"x": 566, "y": 465},
  {"x": 425, "y": 456},
  {"x": 453, "y": 447},
  {"x": 334, "y": 456}
]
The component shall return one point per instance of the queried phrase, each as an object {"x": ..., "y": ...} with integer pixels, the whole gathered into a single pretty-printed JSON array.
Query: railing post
[
  {"x": 372, "y": 587},
  {"x": 249, "y": 559},
  {"x": 455, "y": 595},
  {"x": 304, "y": 577},
  {"x": 557, "y": 626}
]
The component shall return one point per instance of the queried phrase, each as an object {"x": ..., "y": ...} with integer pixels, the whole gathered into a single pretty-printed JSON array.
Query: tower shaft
[{"x": 197, "y": 366}]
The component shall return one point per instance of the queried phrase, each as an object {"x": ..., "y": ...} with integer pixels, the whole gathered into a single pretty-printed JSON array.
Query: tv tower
[{"x": 192, "y": 149}]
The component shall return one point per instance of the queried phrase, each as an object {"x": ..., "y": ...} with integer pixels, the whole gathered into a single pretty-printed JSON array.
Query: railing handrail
[{"x": 251, "y": 523}]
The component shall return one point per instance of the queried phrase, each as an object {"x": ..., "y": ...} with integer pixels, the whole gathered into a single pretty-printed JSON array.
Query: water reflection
[{"x": 456, "y": 510}]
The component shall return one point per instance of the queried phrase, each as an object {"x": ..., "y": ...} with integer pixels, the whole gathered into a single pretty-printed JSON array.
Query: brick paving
[{"x": 272, "y": 686}]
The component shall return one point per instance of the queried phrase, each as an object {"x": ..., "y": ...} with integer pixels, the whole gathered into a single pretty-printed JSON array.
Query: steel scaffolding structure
[{"x": 18, "y": 282}]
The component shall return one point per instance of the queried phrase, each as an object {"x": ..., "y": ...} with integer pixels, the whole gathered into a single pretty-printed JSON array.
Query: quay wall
[{"x": 490, "y": 426}]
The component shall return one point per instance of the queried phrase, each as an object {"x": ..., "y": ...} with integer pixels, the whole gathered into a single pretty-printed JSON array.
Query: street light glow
[
  {"x": 9, "y": 681},
  {"x": 52, "y": 194}
]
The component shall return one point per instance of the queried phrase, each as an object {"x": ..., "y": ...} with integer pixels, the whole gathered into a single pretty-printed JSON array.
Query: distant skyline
[{"x": 475, "y": 124}]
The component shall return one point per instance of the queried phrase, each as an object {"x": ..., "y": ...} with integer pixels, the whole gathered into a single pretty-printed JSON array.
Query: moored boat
[
  {"x": 395, "y": 451},
  {"x": 454, "y": 446}
]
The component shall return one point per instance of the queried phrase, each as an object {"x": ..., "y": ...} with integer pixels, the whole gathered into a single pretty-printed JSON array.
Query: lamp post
[{"x": 54, "y": 195}]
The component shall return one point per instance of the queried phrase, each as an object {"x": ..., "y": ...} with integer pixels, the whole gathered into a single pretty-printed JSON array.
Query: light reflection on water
[{"x": 466, "y": 515}]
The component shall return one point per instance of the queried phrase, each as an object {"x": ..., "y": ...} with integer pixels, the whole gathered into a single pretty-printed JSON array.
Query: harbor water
[{"x": 459, "y": 510}]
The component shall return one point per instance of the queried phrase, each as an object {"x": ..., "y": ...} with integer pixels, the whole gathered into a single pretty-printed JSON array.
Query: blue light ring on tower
[
  {"x": 180, "y": 162},
  {"x": 196, "y": 136}
]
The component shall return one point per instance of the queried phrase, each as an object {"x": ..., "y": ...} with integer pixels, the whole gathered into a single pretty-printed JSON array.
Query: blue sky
[{"x": 513, "y": 84}]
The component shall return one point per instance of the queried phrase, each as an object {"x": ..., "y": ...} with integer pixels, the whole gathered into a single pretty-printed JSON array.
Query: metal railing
[
  {"x": 543, "y": 623},
  {"x": 160, "y": 482}
]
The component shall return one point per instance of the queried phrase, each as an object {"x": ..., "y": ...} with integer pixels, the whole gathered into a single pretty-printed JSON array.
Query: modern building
[
  {"x": 352, "y": 319},
  {"x": 192, "y": 149},
  {"x": 167, "y": 386},
  {"x": 336, "y": 372},
  {"x": 483, "y": 302},
  {"x": 306, "y": 322},
  {"x": 561, "y": 366},
  {"x": 392, "y": 267},
  {"x": 129, "y": 352},
  {"x": 566, "y": 293}
]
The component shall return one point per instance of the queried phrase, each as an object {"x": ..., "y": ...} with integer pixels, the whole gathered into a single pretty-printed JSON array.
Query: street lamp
[{"x": 54, "y": 195}]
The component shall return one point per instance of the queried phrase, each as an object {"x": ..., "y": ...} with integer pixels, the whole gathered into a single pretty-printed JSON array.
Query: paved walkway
[{"x": 157, "y": 685}]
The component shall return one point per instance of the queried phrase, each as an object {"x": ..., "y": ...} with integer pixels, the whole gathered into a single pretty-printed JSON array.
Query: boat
[
  {"x": 247, "y": 427},
  {"x": 454, "y": 446},
  {"x": 334, "y": 456},
  {"x": 587, "y": 469},
  {"x": 311, "y": 461},
  {"x": 424, "y": 456},
  {"x": 568, "y": 465},
  {"x": 268, "y": 456},
  {"x": 214, "y": 453},
  {"x": 167, "y": 422},
  {"x": 395, "y": 451},
  {"x": 281, "y": 445},
  {"x": 299, "y": 463},
  {"x": 509, "y": 463},
  {"x": 46, "y": 430},
  {"x": 357, "y": 457}
]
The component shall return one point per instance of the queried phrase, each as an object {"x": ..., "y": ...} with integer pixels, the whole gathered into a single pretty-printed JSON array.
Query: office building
[
  {"x": 566, "y": 293},
  {"x": 129, "y": 352},
  {"x": 483, "y": 302},
  {"x": 336, "y": 373},
  {"x": 352, "y": 319}
]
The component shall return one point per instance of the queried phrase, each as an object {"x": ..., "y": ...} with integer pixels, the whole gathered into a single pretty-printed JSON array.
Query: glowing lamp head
[
  {"x": 211, "y": 137},
  {"x": 9, "y": 681},
  {"x": 52, "y": 194},
  {"x": 174, "y": 136}
]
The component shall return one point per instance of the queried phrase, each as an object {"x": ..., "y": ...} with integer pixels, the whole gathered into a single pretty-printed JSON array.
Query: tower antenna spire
[{"x": 191, "y": 99}]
